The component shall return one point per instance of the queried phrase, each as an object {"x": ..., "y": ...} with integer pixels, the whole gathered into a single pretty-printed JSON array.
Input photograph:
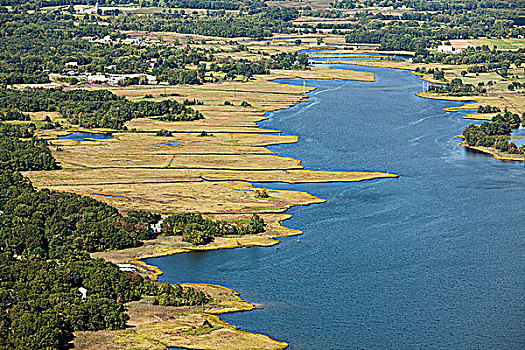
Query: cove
[{"x": 432, "y": 260}]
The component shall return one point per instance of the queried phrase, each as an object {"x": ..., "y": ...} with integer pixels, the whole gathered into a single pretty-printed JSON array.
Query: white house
[
  {"x": 83, "y": 292},
  {"x": 127, "y": 267},
  {"x": 448, "y": 49}
]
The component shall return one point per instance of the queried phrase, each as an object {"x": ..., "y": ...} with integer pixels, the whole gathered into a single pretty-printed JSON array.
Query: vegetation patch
[{"x": 205, "y": 327}]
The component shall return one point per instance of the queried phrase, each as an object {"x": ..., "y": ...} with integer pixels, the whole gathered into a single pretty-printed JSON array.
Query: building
[
  {"x": 83, "y": 292},
  {"x": 448, "y": 49},
  {"x": 127, "y": 267}
]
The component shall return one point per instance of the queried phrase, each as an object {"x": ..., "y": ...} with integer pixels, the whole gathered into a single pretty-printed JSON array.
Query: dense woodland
[
  {"x": 45, "y": 238},
  {"x": 198, "y": 230},
  {"x": 28, "y": 153},
  {"x": 495, "y": 133},
  {"x": 90, "y": 109}
]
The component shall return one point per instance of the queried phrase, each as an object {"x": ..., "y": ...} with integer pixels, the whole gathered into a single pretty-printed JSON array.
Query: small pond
[{"x": 81, "y": 136}]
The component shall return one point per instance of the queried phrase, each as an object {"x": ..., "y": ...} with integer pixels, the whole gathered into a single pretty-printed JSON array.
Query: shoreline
[
  {"x": 299, "y": 175},
  {"x": 496, "y": 154},
  {"x": 267, "y": 240},
  {"x": 157, "y": 272}
]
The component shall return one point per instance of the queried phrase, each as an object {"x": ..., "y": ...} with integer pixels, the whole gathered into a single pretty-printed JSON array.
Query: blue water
[
  {"x": 352, "y": 58},
  {"x": 369, "y": 56},
  {"x": 80, "y": 136},
  {"x": 518, "y": 136},
  {"x": 172, "y": 144},
  {"x": 432, "y": 260},
  {"x": 110, "y": 196}
]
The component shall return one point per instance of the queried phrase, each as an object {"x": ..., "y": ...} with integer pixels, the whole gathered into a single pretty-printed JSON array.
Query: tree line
[
  {"x": 94, "y": 109},
  {"x": 495, "y": 133},
  {"x": 28, "y": 154},
  {"x": 415, "y": 30},
  {"x": 199, "y": 230}
]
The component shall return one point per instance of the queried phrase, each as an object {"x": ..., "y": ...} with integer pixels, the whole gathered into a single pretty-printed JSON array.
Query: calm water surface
[
  {"x": 81, "y": 136},
  {"x": 432, "y": 260}
]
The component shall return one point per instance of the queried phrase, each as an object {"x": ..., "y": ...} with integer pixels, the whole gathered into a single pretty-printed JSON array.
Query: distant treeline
[
  {"x": 433, "y": 5},
  {"x": 39, "y": 44},
  {"x": 419, "y": 30},
  {"x": 33, "y": 45},
  {"x": 482, "y": 58},
  {"x": 196, "y": 4},
  {"x": 258, "y": 25}
]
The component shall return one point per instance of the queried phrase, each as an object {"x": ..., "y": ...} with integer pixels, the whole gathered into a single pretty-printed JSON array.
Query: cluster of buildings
[
  {"x": 110, "y": 79},
  {"x": 448, "y": 49},
  {"x": 129, "y": 41}
]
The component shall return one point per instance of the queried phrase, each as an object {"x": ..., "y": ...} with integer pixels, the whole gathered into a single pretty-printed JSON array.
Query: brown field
[
  {"x": 107, "y": 176},
  {"x": 170, "y": 198},
  {"x": 505, "y": 44}
]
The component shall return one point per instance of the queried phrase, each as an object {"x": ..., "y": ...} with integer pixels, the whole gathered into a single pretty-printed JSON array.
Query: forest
[
  {"x": 27, "y": 154},
  {"x": 198, "y": 230},
  {"x": 45, "y": 238},
  {"x": 495, "y": 133},
  {"x": 45, "y": 241},
  {"x": 93, "y": 109},
  {"x": 455, "y": 87}
]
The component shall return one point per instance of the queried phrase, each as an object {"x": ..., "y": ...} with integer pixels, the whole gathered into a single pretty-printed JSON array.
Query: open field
[
  {"x": 505, "y": 44},
  {"x": 170, "y": 198},
  {"x": 107, "y": 176},
  {"x": 187, "y": 172}
]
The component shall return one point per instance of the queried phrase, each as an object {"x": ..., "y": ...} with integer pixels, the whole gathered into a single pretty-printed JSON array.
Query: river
[{"x": 432, "y": 260}]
